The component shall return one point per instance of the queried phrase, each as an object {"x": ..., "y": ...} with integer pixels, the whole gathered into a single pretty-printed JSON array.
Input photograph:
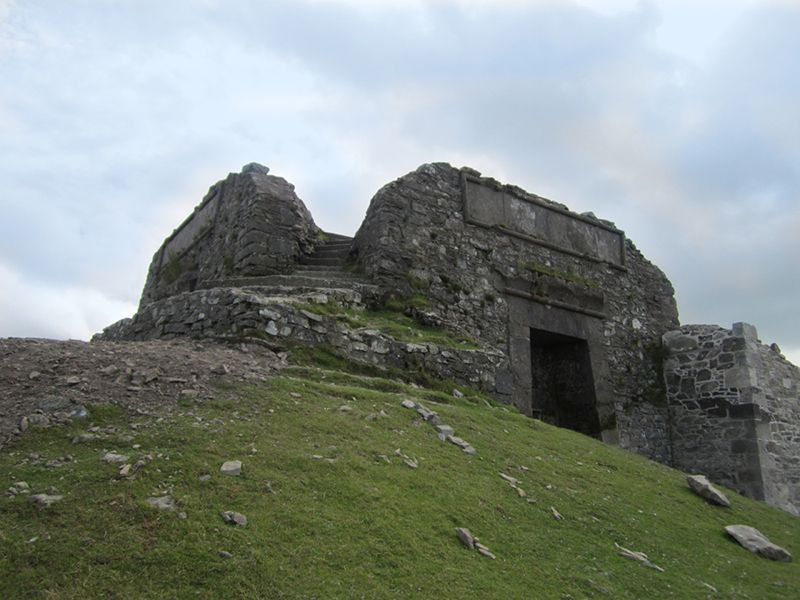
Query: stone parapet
[{"x": 253, "y": 312}]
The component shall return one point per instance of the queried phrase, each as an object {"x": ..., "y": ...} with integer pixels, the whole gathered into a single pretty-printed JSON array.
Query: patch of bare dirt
[{"x": 145, "y": 377}]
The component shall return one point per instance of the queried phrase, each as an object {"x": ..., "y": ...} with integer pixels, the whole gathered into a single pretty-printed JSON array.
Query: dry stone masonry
[
  {"x": 735, "y": 411},
  {"x": 576, "y": 327},
  {"x": 249, "y": 224}
]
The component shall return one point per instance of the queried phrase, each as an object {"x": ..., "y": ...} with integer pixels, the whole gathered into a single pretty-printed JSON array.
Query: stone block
[
  {"x": 744, "y": 446},
  {"x": 744, "y": 411},
  {"x": 741, "y": 377},
  {"x": 678, "y": 343}
]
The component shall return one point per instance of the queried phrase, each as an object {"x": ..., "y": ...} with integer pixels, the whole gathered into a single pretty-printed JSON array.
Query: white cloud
[{"x": 53, "y": 311}]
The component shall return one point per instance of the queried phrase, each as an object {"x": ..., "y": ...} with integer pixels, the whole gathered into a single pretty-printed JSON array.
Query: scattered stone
[
  {"x": 466, "y": 537},
  {"x": 72, "y": 380},
  {"x": 83, "y": 437},
  {"x": 59, "y": 404},
  {"x": 755, "y": 541},
  {"x": 124, "y": 471},
  {"x": 457, "y": 394},
  {"x": 521, "y": 493},
  {"x": 62, "y": 418},
  {"x": 110, "y": 370},
  {"x": 224, "y": 554},
  {"x": 231, "y": 467},
  {"x": 409, "y": 404},
  {"x": 701, "y": 486},
  {"x": 220, "y": 370},
  {"x": 33, "y": 375},
  {"x": 44, "y": 499},
  {"x": 112, "y": 457},
  {"x": 556, "y": 514},
  {"x": 424, "y": 412},
  {"x": 162, "y": 502},
  {"x": 189, "y": 393},
  {"x": 234, "y": 517},
  {"x": 205, "y": 477},
  {"x": 445, "y": 430},
  {"x": 410, "y": 463},
  {"x": 509, "y": 479},
  {"x": 434, "y": 419},
  {"x": 23, "y": 424},
  {"x": 137, "y": 465},
  {"x": 37, "y": 420},
  {"x": 295, "y": 395},
  {"x": 640, "y": 556},
  {"x": 21, "y": 485},
  {"x": 467, "y": 449},
  {"x": 182, "y": 516},
  {"x": 484, "y": 551}
]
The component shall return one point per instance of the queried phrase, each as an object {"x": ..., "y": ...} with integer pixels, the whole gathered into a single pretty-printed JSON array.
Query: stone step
[
  {"x": 337, "y": 237},
  {"x": 301, "y": 279},
  {"x": 327, "y": 250},
  {"x": 320, "y": 268},
  {"x": 322, "y": 261}
]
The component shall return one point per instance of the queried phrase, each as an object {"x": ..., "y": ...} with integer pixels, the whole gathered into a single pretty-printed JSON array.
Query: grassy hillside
[{"x": 334, "y": 511}]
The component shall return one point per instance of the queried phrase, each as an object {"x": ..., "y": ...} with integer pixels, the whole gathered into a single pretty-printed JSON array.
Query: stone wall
[
  {"x": 226, "y": 312},
  {"x": 735, "y": 411},
  {"x": 249, "y": 224},
  {"x": 577, "y": 327},
  {"x": 526, "y": 277}
]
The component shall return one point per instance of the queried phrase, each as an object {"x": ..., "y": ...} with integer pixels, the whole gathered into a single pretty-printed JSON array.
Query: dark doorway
[{"x": 562, "y": 382}]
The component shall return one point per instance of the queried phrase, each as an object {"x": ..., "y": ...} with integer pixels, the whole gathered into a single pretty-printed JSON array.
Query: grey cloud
[{"x": 116, "y": 117}]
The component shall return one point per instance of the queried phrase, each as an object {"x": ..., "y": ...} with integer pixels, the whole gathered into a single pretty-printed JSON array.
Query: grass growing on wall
[
  {"x": 394, "y": 323},
  {"x": 569, "y": 275}
]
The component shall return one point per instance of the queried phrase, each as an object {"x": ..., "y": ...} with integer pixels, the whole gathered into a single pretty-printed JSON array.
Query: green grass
[
  {"x": 393, "y": 323},
  {"x": 569, "y": 275},
  {"x": 357, "y": 522}
]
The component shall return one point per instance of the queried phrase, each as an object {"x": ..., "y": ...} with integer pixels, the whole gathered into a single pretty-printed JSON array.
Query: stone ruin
[{"x": 575, "y": 326}]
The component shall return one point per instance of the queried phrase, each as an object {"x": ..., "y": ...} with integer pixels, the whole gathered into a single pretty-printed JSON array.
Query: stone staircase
[
  {"x": 320, "y": 273},
  {"x": 326, "y": 263}
]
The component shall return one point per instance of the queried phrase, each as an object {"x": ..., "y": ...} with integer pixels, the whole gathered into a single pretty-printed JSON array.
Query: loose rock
[
  {"x": 231, "y": 467},
  {"x": 44, "y": 499},
  {"x": 755, "y": 541},
  {"x": 113, "y": 457},
  {"x": 466, "y": 537},
  {"x": 234, "y": 517},
  {"x": 162, "y": 502},
  {"x": 701, "y": 486}
]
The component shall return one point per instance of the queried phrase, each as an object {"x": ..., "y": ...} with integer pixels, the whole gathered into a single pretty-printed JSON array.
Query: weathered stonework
[
  {"x": 735, "y": 412},
  {"x": 249, "y": 224},
  {"x": 577, "y": 309},
  {"x": 233, "y": 312},
  {"x": 577, "y": 328}
]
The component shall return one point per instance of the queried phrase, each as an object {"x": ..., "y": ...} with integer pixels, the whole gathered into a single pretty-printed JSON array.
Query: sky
[{"x": 677, "y": 120}]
